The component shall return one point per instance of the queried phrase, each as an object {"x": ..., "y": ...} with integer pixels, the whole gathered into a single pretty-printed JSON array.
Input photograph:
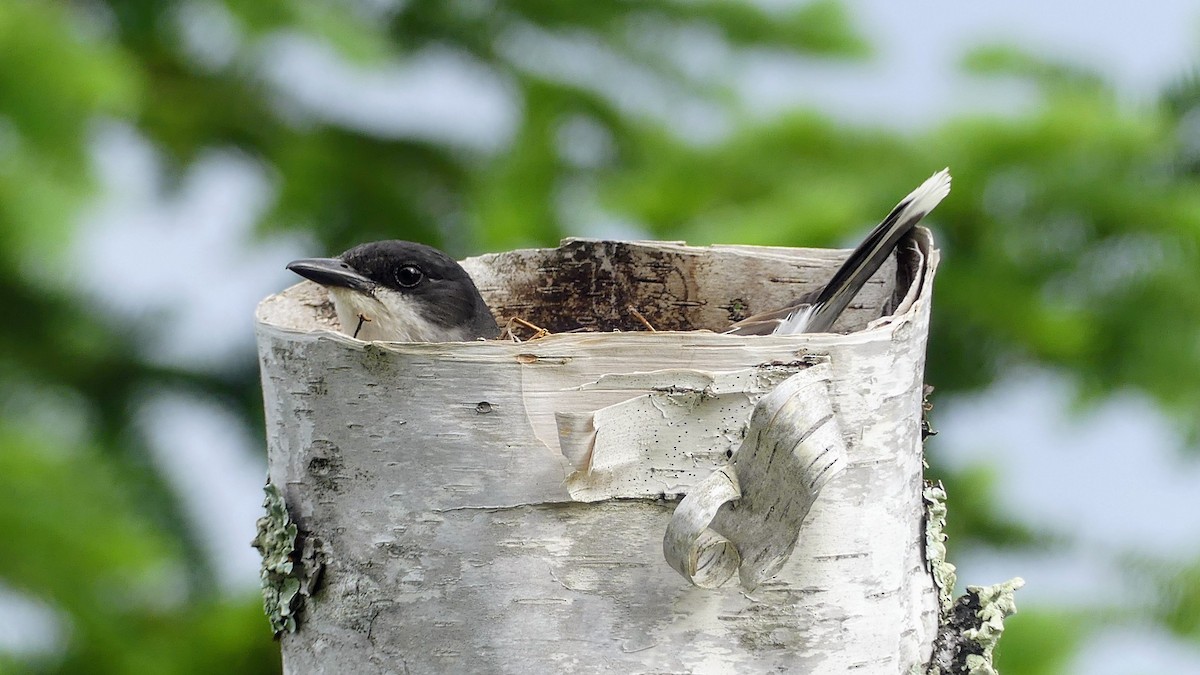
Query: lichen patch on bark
[
  {"x": 288, "y": 576},
  {"x": 944, "y": 574}
]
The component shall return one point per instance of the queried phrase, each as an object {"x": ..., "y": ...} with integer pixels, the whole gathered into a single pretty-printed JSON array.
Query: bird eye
[{"x": 409, "y": 276}]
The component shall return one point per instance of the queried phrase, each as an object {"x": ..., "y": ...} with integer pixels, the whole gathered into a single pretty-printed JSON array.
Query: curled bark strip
[
  {"x": 702, "y": 556},
  {"x": 746, "y": 516}
]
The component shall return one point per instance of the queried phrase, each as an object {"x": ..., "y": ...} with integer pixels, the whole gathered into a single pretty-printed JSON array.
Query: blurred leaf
[
  {"x": 352, "y": 27},
  {"x": 1007, "y": 60},
  {"x": 1176, "y": 600},
  {"x": 819, "y": 27},
  {"x": 55, "y": 501},
  {"x": 112, "y": 571},
  {"x": 211, "y": 636},
  {"x": 55, "y": 77},
  {"x": 1041, "y": 642},
  {"x": 973, "y": 520}
]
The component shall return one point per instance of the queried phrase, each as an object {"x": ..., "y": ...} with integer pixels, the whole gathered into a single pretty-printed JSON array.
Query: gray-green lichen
[
  {"x": 944, "y": 573},
  {"x": 968, "y": 635},
  {"x": 996, "y": 603},
  {"x": 286, "y": 579},
  {"x": 970, "y": 626}
]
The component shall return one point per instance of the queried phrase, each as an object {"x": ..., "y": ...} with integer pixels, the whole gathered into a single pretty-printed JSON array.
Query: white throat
[{"x": 387, "y": 316}]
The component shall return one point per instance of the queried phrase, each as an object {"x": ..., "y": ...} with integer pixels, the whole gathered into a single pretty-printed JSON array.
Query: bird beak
[{"x": 331, "y": 272}]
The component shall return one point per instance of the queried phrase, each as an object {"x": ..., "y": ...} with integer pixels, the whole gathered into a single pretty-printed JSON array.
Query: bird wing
[{"x": 766, "y": 323}]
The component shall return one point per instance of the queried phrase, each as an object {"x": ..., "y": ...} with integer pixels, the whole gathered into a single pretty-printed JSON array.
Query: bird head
[{"x": 401, "y": 291}]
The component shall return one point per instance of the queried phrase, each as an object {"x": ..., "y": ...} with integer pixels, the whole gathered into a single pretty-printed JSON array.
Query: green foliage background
[{"x": 1071, "y": 238}]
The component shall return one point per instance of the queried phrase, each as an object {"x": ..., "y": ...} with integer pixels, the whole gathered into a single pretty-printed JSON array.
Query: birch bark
[{"x": 501, "y": 507}]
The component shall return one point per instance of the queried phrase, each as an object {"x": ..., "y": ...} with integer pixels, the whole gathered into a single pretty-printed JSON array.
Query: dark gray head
[{"x": 401, "y": 291}]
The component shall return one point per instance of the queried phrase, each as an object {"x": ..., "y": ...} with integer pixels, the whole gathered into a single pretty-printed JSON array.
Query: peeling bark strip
[
  {"x": 684, "y": 426},
  {"x": 793, "y": 448},
  {"x": 500, "y": 507}
]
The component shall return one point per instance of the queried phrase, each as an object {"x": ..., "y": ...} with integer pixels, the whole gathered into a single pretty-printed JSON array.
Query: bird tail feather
[{"x": 868, "y": 258}]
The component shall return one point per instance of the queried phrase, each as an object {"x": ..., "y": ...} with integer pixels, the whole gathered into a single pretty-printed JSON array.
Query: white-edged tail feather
[
  {"x": 928, "y": 194},
  {"x": 867, "y": 258},
  {"x": 797, "y": 321}
]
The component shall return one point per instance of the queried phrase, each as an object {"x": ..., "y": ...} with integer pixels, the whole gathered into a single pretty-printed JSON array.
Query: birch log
[{"x": 501, "y": 507}]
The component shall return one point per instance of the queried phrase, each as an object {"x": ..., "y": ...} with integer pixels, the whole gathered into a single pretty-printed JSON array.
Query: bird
[
  {"x": 816, "y": 312},
  {"x": 401, "y": 291}
]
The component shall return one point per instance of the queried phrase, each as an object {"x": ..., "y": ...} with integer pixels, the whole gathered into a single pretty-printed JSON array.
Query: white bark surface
[{"x": 501, "y": 507}]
